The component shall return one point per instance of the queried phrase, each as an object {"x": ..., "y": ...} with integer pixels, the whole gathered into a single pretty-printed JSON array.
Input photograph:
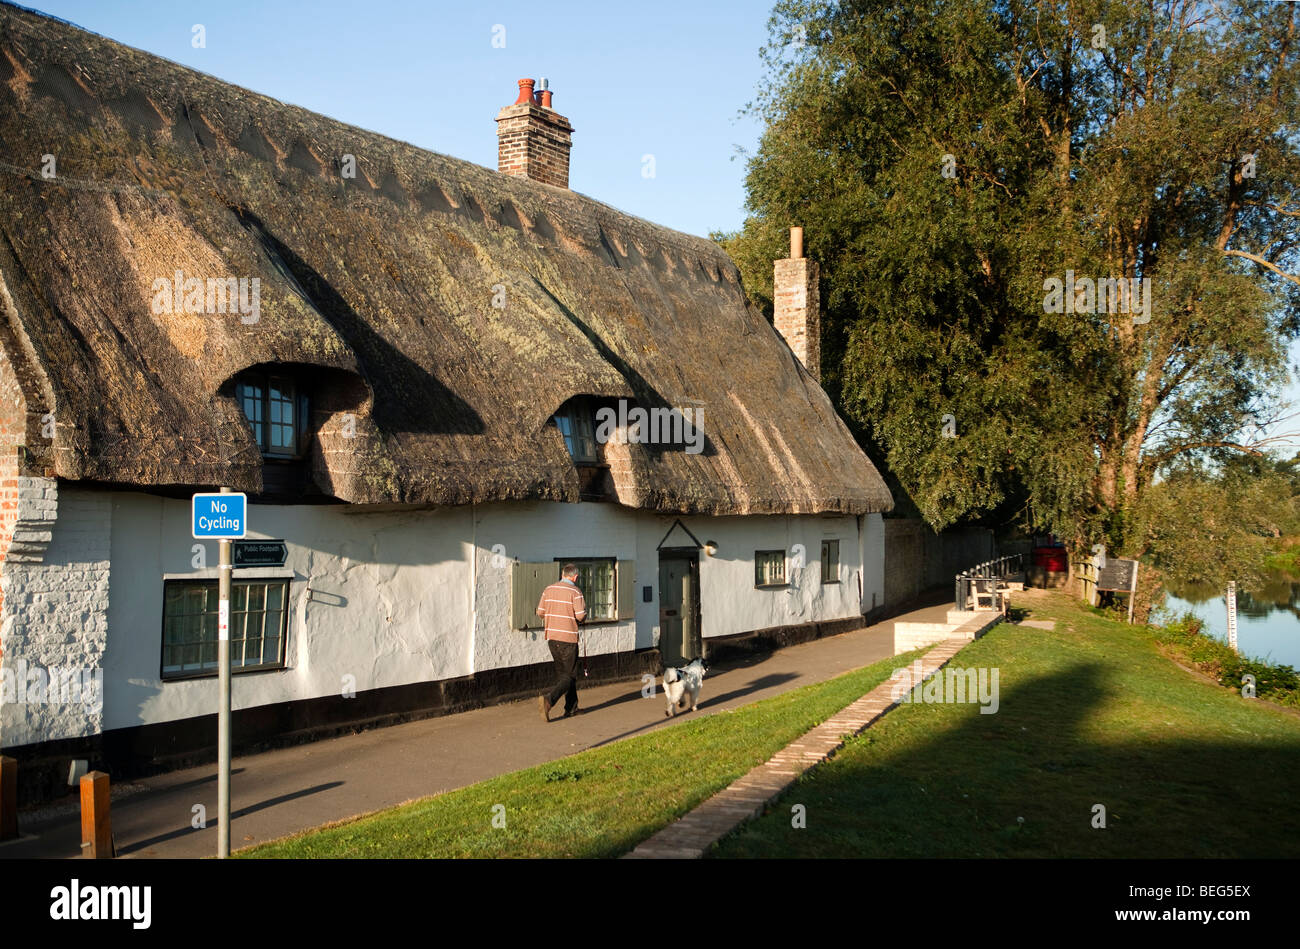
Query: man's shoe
[
  {"x": 573, "y": 712},
  {"x": 545, "y": 705}
]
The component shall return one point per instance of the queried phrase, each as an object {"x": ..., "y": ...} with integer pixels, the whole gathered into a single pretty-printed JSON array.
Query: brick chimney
[
  {"x": 797, "y": 298},
  {"x": 533, "y": 140}
]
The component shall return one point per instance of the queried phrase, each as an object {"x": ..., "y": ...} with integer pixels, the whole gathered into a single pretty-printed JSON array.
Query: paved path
[
  {"x": 690, "y": 836},
  {"x": 293, "y": 789}
]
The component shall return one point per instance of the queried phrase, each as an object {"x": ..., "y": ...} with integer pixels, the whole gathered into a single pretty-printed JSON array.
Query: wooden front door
[{"x": 679, "y": 607}]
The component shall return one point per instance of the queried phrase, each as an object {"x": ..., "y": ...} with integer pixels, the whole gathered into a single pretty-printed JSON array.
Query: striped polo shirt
[{"x": 563, "y": 606}]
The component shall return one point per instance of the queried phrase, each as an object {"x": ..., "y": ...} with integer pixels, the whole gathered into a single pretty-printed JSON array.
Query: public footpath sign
[
  {"x": 219, "y": 516},
  {"x": 260, "y": 553}
]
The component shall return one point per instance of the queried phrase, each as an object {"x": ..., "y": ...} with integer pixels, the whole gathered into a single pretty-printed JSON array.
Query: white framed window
[
  {"x": 259, "y": 622},
  {"x": 276, "y": 412},
  {"x": 575, "y": 425},
  {"x": 830, "y": 561},
  {"x": 597, "y": 582},
  {"x": 769, "y": 568}
]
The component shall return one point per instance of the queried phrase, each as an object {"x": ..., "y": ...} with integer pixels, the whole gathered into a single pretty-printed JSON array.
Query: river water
[{"x": 1268, "y": 618}]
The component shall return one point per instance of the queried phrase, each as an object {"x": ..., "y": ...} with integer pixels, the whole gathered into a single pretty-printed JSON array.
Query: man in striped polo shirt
[{"x": 563, "y": 606}]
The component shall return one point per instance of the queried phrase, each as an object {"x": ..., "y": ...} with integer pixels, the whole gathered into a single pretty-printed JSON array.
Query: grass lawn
[
  {"x": 597, "y": 803},
  {"x": 1090, "y": 713}
]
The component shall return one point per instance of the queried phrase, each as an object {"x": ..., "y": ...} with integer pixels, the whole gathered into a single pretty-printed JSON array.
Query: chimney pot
[
  {"x": 534, "y": 142},
  {"x": 796, "y": 243}
]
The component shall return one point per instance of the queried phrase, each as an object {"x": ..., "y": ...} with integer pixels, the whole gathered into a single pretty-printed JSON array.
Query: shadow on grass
[
  {"x": 657, "y": 705},
  {"x": 1026, "y": 782}
]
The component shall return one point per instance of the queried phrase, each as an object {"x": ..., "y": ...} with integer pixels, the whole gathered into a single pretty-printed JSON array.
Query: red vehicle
[{"x": 1050, "y": 554}]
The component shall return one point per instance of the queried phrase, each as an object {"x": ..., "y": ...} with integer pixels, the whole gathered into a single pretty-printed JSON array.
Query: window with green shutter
[
  {"x": 597, "y": 583},
  {"x": 527, "y": 583},
  {"x": 607, "y": 585}
]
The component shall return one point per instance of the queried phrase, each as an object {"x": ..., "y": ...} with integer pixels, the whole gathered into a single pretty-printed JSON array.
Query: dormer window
[
  {"x": 276, "y": 412},
  {"x": 575, "y": 425},
  {"x": 576, "y": 420}
]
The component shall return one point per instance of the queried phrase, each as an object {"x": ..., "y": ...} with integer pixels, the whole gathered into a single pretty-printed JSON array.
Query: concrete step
[{"x": 909, "y": 636}]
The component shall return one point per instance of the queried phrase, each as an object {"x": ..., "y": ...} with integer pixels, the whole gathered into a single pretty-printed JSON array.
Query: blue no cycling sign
[{"x": 219, "y": 516}]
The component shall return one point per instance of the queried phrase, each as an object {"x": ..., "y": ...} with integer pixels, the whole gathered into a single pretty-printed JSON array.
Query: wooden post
[
  {"x": 1086, "y": 571},
  {"x": 8, "y": 798},
  {"x": 96, "y": 829},
  {"x": 1134, "y": 592},
  {"x": 1094, "y": 573}
]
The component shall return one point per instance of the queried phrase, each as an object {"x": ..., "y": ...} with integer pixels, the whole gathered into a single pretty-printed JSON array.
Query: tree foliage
[
  {"x": 948, "y": 159},
  {"x": 1202, "y": 526}
]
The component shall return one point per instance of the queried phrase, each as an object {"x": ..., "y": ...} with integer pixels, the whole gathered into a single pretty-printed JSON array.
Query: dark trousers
[{"x": 566, "y": 672}]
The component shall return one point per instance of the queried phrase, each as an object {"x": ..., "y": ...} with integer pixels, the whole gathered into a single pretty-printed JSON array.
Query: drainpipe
[{"x": 473, "y": 584}]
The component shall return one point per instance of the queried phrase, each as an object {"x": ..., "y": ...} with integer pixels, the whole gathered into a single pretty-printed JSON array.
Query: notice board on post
[{"x": 1118, "y": 576}]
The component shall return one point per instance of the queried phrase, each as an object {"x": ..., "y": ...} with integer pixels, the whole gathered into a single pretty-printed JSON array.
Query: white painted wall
[
  {"x": 873, "y": 561},
  {"x": 55, "y": 580},
  {"x": 388, "y": 604},
  {"x": 729, "y": 602},
  {"x": 393, "y": 598},
  {"x": 538, "y": 532}
]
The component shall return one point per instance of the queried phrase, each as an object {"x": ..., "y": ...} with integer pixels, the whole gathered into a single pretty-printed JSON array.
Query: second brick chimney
[
  {"x": 533, "y": 140},
  {"x": 796, "y": 296}
]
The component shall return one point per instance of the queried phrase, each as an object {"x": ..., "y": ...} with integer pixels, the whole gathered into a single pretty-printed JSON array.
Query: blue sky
[{"x": 666, "y": 79}]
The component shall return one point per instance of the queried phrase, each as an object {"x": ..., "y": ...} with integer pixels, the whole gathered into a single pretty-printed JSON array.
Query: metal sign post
[
  {"x": 222, "y": 517},
  {"x": 224, "y": 567},
  {"x": 1232, "y": 614}
]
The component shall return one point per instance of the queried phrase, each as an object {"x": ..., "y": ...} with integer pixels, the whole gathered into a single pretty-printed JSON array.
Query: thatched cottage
[{"x": 434, "y": 381}]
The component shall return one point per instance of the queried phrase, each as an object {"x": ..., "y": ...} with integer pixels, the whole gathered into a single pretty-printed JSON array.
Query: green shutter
[
  {"x": 527, "y": 582},
  {"x": 625, "y": 604}
]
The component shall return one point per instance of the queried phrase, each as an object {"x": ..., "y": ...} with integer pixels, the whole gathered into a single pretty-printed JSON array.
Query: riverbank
[
  {"x": 1187, "y": 640},
  {"x": 1101, "y": 747}
]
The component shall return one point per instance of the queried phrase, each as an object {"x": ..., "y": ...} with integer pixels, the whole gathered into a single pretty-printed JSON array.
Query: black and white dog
[{"x": 684, "y": 683}]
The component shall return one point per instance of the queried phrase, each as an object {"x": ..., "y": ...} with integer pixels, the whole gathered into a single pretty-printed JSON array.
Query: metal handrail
[{"x": 997, "y": 569}]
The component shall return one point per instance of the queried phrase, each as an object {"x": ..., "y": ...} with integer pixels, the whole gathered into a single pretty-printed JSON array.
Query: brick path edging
[{"x": 689, "y": 836}]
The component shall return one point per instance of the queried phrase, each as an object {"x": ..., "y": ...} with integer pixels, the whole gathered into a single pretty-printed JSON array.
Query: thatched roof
[{"x": 379, "y": 288}]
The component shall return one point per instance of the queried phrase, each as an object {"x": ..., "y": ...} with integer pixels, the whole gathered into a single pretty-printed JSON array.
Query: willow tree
[{"x": 980, "y": 181}]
